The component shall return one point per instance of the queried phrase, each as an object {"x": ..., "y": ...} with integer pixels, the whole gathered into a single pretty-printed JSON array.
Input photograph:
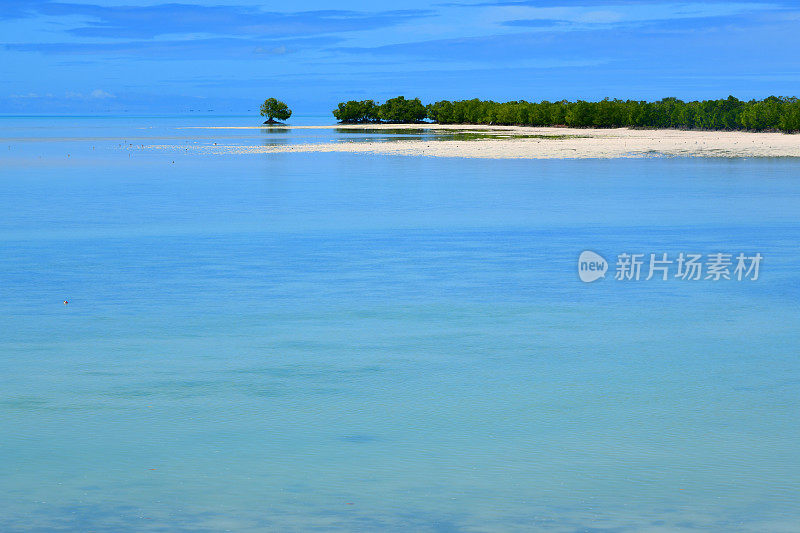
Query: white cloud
[
  {"x": 278, "y": 50},
  {"x": 99, "y": 93},
  {"x": 29, "y": 95}
]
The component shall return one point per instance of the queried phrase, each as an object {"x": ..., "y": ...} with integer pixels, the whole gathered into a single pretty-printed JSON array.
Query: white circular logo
[{"x": 591, "y": 266}]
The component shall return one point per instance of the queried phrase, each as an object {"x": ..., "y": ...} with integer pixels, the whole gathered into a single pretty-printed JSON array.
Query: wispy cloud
[
  {"x": 29, "y": 96},
  {"x": 212, "y": 48},
  {"x": 534, "y": 23},
  {"x": 100, "y": 94},
  {"x": 623, "y": 4},
  {"x": 141, "y": 22},
  {"x": 723, "y": 41},
  {"x": 97, "y": 94}
]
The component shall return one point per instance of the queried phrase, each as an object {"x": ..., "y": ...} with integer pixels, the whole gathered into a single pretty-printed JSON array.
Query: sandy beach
[{"x": 517, "y": 142}]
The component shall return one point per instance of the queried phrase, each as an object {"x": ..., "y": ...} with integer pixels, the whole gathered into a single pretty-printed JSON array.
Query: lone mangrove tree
[{"x": 272, "y": 109}]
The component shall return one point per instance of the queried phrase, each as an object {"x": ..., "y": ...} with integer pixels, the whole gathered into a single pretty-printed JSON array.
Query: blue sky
[{"x": 146, "y": 56}]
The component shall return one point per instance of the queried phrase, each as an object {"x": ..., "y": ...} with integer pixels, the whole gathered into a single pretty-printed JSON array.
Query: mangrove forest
[{"x": 772, "y": 113}]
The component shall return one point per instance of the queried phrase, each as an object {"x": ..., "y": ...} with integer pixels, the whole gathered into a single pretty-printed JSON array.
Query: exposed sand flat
[{"x": 555, "y": 143}]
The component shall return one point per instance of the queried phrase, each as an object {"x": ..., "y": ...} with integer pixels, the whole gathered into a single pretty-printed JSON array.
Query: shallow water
[{"x": 356, "y": 342}]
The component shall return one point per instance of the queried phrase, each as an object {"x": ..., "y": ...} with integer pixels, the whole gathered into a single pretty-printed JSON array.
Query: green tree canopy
[
  {"x": 401, "y": 110},
  {"x": 772, "y": 113},
  {"x": 272, "y": 109},
  {"x": 357, "y": 111}
]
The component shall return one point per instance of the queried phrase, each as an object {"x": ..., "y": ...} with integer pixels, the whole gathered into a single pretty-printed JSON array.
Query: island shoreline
[{"x": 531, "y": 142}]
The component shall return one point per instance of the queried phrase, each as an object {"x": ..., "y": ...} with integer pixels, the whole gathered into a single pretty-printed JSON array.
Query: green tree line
[
  {"x": 395, "y": 110},
  {"x": 772, "y": 113}
]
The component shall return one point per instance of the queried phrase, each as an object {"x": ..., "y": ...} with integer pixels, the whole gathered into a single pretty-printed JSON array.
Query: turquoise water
[{"x": 296, "y": 342}]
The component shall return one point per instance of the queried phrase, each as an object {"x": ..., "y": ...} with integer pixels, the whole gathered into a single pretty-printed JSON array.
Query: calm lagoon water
[{"x": 320, "y": 342}]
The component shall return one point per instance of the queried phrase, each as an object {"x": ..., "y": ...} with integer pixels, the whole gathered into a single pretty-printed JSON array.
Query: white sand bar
[{"x": 550, "y": 143}]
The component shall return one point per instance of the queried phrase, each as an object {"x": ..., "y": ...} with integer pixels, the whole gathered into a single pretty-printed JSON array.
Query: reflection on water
[
  {"x": 385, "y": 131},
  {"x": 437, "y": 134}
]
